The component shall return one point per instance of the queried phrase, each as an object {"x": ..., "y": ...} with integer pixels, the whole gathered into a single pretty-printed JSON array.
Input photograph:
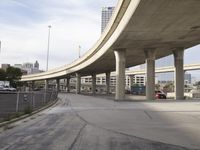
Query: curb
[{"x": 28, "y": 115}]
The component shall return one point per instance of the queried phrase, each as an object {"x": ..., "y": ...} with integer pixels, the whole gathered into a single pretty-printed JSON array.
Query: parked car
[
  {"x": 160, "y": 95},
  {"x": 1, "y": 88},
  {"x": 8, "y": 89}
]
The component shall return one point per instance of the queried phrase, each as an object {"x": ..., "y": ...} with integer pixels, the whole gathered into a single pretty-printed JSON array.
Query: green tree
[
  {"x": 2, "y": 75},
  {"x": 169, "y": 87},
  {"x": 157, "y": 87},
  {"x": 13, "y": 75}
]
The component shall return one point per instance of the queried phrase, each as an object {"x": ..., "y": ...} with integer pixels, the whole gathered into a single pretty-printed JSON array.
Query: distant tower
[
  {"x": 105, "y": 16},
  {"x": 5, "y": 66},
  {"x": 36, "y": 65}
]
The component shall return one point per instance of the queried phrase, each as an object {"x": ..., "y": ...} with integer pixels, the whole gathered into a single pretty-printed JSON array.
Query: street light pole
[
  {"x": 48, "y": 48},
  {"x": 79, "y": 51},
  {"x": 0, "y": 46}
]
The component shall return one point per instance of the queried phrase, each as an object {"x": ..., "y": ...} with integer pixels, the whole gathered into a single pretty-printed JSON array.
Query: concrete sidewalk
[
  {"x": 79, "y": 122},
  {"x": 175, "y": 122}
]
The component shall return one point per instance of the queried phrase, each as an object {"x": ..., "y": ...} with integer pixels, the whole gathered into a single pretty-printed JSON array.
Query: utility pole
[
  {"x": 79, "y": 51},
  {"x": 48, "y": 48},
  {"x": 0, "y": 46}
]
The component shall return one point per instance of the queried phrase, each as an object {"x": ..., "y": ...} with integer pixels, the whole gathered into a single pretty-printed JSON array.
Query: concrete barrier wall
[
  {"x": 190, "y": 95},
  {"x": 19, "y": 102}
]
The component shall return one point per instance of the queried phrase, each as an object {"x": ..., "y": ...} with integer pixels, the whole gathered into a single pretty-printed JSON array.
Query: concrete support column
[
  {"x": 130, "y": 81},
  {"x": 32, "y": 85},
  {"x": 150, "y": 74},
  {"x": 78, "y": 83},
  {"x": 68, "y": 84},
  {"x": 179, "y": 73},
  {"x": 120, "y": 73},
  {"x": 57, "y": 85},
  {"x": 108, "y": 82},
  {"x": 46, "y": 85},
  {"x": 94, "y": 83}
]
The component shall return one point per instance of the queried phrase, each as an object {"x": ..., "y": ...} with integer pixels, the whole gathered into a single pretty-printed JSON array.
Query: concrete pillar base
[
  {"x": 108, "y": 82},
  {"x": 58, "y": 85},
  {"x": 78, "y": 83},
  {"x": 93, "y": 83},
  {"x": 32, "y": 85},
  {"x": 46, "y": 85},
  {"x": 68, "y": 85}
]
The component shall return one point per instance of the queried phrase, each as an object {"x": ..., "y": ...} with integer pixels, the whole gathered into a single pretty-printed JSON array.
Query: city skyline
[{"x": 24, "y": 30}]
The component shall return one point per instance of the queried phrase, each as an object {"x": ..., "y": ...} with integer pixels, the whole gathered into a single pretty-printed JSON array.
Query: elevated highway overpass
[
  {"x": 139, "y": 31},
  {"x": 188, "y": 67}
]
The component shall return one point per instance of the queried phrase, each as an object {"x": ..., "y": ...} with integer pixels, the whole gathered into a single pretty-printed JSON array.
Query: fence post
[
  {"x": 45, "y": 96},
  {"x": 33, "y": 100},
  {"x": 17, "y": 103},
  {"x": 50, "y": 99}
]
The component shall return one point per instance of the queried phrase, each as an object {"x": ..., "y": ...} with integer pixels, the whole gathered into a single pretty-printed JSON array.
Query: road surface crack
[
  {"x": 149, "y": 116},
  {"x": 77, "y": 137}
]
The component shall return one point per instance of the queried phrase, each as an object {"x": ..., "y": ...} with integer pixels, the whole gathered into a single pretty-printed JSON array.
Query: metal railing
[{"x": 12, "y": 103}]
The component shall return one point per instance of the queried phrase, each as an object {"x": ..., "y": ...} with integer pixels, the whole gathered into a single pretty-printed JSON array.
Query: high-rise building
[
  {"x": 5, "y": 66},
  {"x": 188, "y": 78},
  {"x": 28, "y": 65},
  {"x": 105, "y": 16},
  {"x": 31, "y": 68},
  {"x": 18, "y": 66},
  {"x": 36, "y": 65}
]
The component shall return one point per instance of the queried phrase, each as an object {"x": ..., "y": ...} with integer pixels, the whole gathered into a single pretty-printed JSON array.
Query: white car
[{"x": 8, "y": 89}]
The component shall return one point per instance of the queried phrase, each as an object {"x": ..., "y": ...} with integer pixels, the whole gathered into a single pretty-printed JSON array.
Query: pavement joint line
[
  {"x": 78, "y": 136},
  {"x": 2, "y": 124}
]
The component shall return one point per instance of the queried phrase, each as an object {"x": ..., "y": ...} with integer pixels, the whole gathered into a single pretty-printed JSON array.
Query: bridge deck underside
[
  {"x": 164, "y": 25},
  {"x": 161, "y": 25}
]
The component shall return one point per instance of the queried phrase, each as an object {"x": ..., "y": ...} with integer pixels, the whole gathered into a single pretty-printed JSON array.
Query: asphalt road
[{"x": 92, "y": 123}]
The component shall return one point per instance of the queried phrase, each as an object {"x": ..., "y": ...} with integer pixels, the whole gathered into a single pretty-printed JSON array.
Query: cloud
[{"x": 24, "y": 29}]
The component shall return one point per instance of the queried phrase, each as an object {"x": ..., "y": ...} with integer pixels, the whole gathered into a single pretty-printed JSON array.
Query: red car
[{"x": 160, "y": 95}]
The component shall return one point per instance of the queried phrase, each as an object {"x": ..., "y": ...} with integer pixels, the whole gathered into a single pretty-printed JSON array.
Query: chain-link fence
[{"x": 12, "y": 103}]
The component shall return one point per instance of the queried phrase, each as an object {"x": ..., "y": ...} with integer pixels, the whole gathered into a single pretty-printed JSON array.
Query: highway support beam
[
  {"x": 78, "y": 83},
  {"x": 120, "y": 73},
  {"x": 58, "y": 85},
  {"x": 108, "y": 82},
  {"x": 150, "y": 73},
  {"x": 94, "y": 83},
  {"x": 179, "y": 73}
]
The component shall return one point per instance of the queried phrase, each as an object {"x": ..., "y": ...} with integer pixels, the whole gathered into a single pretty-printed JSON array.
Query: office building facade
[{"x": 105, "y": 16}]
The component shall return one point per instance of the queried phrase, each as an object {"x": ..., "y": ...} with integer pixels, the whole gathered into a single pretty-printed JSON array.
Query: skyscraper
[
  {"x": 36, "y": 65},
  {"x": 105, "y": 16}
]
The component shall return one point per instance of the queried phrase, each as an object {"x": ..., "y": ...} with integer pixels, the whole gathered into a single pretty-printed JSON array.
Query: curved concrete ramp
[{"x": 137, "y": 26}]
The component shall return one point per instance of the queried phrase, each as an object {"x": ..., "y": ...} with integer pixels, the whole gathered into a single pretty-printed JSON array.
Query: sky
[{"x": 24, "y": 30}]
